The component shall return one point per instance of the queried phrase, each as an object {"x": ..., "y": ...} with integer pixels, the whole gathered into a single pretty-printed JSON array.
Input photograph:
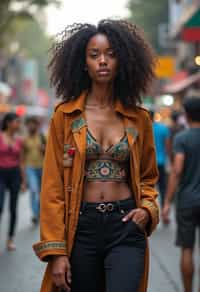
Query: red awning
[
  {"x": 189, "y": 19},
  {"x": 191, "y": 34},
  {"x": 177, "y": 86}
]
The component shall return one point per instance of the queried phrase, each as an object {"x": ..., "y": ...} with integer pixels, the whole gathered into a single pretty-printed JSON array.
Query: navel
[{"x": 102, "y": 197}]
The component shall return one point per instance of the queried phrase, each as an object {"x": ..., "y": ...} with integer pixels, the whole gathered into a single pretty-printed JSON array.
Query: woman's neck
[{"x": 100, "y": 95}]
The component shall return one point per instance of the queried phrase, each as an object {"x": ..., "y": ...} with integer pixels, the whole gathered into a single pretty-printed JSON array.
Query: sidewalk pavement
[{"x": 21, "y": 271}]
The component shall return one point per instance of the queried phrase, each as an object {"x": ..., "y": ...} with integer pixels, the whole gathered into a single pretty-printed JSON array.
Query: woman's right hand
[
  {"x": 165, "y": 213},
  {"x": 61, "y": 272}
]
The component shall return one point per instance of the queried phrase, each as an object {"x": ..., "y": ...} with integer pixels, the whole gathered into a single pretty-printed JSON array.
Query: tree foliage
[
  {"x": 148, "y": 15},
  {"x": 8, "y": 12},
  {"x": 26, "y": 32}
]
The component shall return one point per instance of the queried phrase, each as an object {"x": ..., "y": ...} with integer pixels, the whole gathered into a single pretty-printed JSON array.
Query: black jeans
[
  {"x": 10, "y": 179},
  {"x": 107, "y": 248}
]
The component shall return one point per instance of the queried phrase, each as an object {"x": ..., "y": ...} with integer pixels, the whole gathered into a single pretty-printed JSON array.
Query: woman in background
[
  {"x": 34, "y": 148},
  {"x": 11, "y": 170}
]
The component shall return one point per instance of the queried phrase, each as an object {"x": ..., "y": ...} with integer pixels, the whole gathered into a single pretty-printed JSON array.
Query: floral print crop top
[{"x": 111, "y": 164}]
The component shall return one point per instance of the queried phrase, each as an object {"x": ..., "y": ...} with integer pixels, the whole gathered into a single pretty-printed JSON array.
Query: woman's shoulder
[
  {"x": 59, "y": 109},
  {"x": 143, "y": 113},
  {"x": 61, "y": 116},
  {"x": 64, "y": 107},
  {"x": 60, "y": 106},
  {"x": 141, "y": 118}
]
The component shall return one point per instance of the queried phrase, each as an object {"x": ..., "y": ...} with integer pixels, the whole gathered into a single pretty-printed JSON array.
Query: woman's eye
[
  {"x": 111, "y": 53},
  {"x": 93, "y": 55}
]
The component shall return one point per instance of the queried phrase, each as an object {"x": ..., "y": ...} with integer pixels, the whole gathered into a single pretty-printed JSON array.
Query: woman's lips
[{"x": 103, "y": 72}]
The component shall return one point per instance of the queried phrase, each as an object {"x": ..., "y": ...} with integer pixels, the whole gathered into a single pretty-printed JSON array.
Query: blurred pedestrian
[
  {"x": 11, "y": 170},
  {"x": 98, "y": 199},
  {"x": 185, "y": 180},
  {"x": 34, "y": 148},
  {"x": 175, "y": 128},
  {"x": 162, "y": 141}
]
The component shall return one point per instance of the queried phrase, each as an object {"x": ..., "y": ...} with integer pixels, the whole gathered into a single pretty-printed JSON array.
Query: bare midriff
[{"x": 106, "y": 191}]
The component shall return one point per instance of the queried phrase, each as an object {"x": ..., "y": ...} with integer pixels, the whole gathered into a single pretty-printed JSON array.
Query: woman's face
[
  {"x": 32, "y": 126},
  {"x": 101, "y": 61},
  {"x": 15, "y": 125}
]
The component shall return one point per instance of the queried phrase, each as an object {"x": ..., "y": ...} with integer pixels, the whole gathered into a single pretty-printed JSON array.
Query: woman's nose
[{"x": 102, "y": 60}]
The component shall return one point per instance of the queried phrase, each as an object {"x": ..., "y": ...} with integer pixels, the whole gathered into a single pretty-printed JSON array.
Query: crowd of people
[
  {"x": 21, "y": 158},
  {"x": 164, "y": 134},
  {"x": 179, "y": 147}
]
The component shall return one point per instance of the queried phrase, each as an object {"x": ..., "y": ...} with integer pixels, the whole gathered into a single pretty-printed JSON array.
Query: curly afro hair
[{"x": 135, "y": 57}]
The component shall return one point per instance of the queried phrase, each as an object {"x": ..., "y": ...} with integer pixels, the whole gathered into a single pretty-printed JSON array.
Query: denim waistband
[{"x": 109, "y": 206}]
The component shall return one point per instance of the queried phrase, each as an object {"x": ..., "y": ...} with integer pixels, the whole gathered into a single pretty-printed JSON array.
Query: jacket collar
[{"x": 79, "y": 105}]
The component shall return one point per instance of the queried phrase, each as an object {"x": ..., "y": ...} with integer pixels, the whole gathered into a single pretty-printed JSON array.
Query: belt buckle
[
  {"x": 110, "y": 207},
  {"x": 101, "y": 208}
]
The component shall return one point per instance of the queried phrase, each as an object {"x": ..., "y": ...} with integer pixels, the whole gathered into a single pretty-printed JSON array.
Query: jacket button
[{"x": 69, "y": 188}]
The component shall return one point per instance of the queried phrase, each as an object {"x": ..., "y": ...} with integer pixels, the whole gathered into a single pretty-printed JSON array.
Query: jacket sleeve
[
  {"x": 149, "y": 176},
  {"x": 52, "y": 200}
]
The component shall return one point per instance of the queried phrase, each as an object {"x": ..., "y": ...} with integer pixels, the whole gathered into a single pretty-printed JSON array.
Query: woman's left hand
[{"x": 140, "y": 216}]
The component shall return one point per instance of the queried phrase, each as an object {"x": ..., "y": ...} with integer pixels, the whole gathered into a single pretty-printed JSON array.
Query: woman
[
  {"x": 11, "y": 171},
  {"x": 98, "y": 197},
  {"x": 34, "y": 147}
]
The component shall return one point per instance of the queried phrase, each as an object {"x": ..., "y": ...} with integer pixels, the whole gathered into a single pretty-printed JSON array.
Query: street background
[
  {"x": 21, "y": 271},
  {"x": 27, "y": 31}
]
